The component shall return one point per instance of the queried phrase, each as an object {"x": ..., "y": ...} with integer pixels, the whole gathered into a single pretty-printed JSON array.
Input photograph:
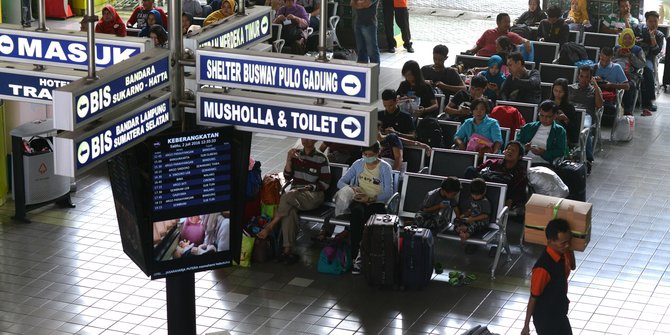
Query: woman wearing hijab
[
  {"x": 631, "y": 58},
  {"x": 495, "y": 77},
  {"x": 578, "y": 16},
  {"x": 154, "y": 17},
  {"x": 110, "y": 23},
  {"x": 186, "y": 22},
  {"x": 227, "y": 9},
  {"x": 533, "y": 15}
]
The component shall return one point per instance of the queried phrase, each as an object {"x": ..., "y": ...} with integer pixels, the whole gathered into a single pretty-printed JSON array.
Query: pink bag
[{"x": 478, "y": 142}]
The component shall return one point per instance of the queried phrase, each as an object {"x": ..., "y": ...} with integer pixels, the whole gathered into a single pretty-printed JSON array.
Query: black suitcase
[
  {"x": 666, "y": 68},
  {"x": 379, "y": 250},
  {"x": 573, "y": 174},
  {"x": 416, "y": 257}
]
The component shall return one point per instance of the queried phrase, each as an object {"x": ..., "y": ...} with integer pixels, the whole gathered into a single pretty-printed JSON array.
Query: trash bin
[{"x": 35, "y": 183}]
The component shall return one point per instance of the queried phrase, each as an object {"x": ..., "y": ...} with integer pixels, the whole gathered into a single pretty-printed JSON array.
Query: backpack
[
  {"x": 254, "y": 181},
  {"x": 522, "y": 30},
  {"x": 571, "y": 53},
  {"x": 428, "y": 131},
  {"x": 270, "y": 189}
]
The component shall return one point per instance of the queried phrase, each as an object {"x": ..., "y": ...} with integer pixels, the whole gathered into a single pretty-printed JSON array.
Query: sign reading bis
[
  {"x": 84, "y": 101},
  {"x": 279, "y": 73},
  {"x": 22, "y": 82},
  {"x": 81, "y": 150},
  {"x": 63, "y": 48},
  {"x": 272, "y": 114},
  {"x": 235, "y": 31}
]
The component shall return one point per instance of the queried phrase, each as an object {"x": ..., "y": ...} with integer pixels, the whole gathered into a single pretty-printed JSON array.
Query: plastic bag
[
  {"x": 624, "y": 128},
  {"x": 547, "y": 182},
  {"x": 343, "y": 199},
  {"x": 247, "y": 250}
]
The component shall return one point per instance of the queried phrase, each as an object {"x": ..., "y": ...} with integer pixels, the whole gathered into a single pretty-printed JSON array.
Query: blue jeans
[{"x": 366, "y": 43}]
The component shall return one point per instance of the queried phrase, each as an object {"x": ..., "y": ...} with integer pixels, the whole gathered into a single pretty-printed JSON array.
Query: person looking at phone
[
  {"x": 414, "y": 88},
  {"x": 458, "y": 108},
  {"x": 544, "y": 140},
  {"x": 372, "y": 181},
  {"x": 521, "y": 85},
  {"x": 494, "y": 76},
  {"x": 446, "y": 79},
  {"x": 309, "y": 173},
  {"x": 438, "y": 204}
]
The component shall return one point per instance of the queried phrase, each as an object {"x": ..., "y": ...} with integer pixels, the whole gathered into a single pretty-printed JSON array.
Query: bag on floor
[
  {"x": 624, "y": 128},
  {"x": 270, "y": 189},
  {"x": 335, "y": 258},
  {"x": 573, "y": 174},
  {"x": 247, "y": 250},
  {"x": 547, "y": 182},
  {"x": 379, "y": 250}
]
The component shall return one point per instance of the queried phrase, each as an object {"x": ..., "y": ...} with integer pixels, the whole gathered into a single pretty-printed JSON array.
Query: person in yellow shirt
[{"x": 227, "y": 9}]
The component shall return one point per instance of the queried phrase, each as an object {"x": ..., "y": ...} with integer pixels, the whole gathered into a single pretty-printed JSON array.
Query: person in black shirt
[
  {"x": 458, "y": 108},
  {"x": 392, "y": 119},
  {"x": 446, "y": 79},
  {"x": 522, "y": 85},
  {"x": 414, "y": 87},
  {"x": 533, "y": 15},
  {"x": 553, "y": 29}
]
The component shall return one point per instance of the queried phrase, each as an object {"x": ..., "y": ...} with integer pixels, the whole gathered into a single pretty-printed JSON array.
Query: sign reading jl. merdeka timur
[
  {"x": 23, "y": 82},
  {"x": 84, "y": 101},
  {"x": 66, "y": 48},
  {"x": 127, "y": 125},
  {"x": 280, "y": 73},
  {"x": 296, "y": 117},
  {"x": 235, "y": 31}
]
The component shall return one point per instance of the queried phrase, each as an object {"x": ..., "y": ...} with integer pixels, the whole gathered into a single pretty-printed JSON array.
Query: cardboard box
[{"x": 540, "y": 210}]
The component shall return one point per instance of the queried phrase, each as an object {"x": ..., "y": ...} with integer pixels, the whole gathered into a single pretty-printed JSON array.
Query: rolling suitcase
[
  {"x": 666, "y": 69},
  {"x": 416, "y": 257},
  {"x": 379, "y": 250},
  {"x": 573, "y": 174}
]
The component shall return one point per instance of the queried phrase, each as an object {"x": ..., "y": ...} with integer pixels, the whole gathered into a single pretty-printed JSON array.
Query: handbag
[
  {"x": 478, "y": 142},
  {"x": 495, "y": 176},
  {"x": 335, "y": 258}
]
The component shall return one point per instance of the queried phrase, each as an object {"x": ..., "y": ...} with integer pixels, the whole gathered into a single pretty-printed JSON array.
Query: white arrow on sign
[
  {"x": 351, "y": 127},
  {"x": 265, "y": 25},
  {"x": 83, "y": 152},
  {"x": 351, "y": 85}
]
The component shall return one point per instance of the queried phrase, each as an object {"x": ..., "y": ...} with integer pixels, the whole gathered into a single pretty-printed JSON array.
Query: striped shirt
[
  {"x": 613, "y": 21},
  {"x": 310, "y": 170}
]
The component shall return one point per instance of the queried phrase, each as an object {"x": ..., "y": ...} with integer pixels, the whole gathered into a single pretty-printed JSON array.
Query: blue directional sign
[
  {"x": 294, "y": 117},
  {"x": 63, "y": 48},
  {"x": 23, "y": 83},
  {"x": 235, "y": 31},
  {"x": 278, "y": 73},
  {"x": 80, "y": 150},
  {"x": 84, "y": 101}
]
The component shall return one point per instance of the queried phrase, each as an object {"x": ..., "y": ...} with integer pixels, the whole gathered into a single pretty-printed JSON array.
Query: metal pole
[
  {"x": 91, "y": 18},
  {"x": 323, "y": 24},
  {"x": 241, "y": 11},
  {"x": 177, "y": 54},
  {"x": 42, "y": 19}
]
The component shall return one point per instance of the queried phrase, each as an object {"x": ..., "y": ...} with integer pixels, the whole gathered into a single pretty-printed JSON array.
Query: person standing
[
  {"x": 365, "y": 30},
  {"x": 399, "y": 8},
  {"x": 548, "y": 302}
]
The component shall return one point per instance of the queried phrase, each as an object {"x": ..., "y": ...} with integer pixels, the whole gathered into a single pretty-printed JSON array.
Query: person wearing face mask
[{"x": 372, "y": 182}]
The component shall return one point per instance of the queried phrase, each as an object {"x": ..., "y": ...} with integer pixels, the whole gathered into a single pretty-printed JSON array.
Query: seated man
[
  {"x": 458, "y": 108},
  {"x": 616, "y": 23},
  {"x": 138, "y": 18},
  {"x": 486, "y": 44},
  {"x": 553, "y": 29},
  {"x": 446, "y": 79},
  {"x": 632, "y": 59},
  {"x": 227, "y": 9},
  {"x": 651, "y": 41},
  {"x": 522, "y": 85},
  {"x": 544, "y": 140},
  {"x": 586, "y": 94},
  {"x": 294, "y": 17},
  {"x": 610, "y": 77},
  {"x": 392, "y": 119},
  {"x": 310, "y": 175},
  {"x": 341, "y": 153}
]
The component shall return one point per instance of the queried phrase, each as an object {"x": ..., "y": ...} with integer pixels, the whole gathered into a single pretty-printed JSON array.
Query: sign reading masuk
[
  {"x": 235, "y": 31},
  {"x": 76, "y": 151},
  {"x": 349, "y": 124},
  {"x": 84, "y": 101},
  {"x": 66, "y": 48},
  {"x": 23, "y": 82},
  {"x": 279, "y": 73}
]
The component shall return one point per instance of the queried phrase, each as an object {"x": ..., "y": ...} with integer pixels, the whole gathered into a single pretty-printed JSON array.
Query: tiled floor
[{"x": 66, "y": 273}]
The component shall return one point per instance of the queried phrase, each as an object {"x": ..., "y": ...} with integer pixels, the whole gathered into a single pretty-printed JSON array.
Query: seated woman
[
  {"x": 510, "y": 171},
  {"x": 158, "y": 35},
  {"x": 494, "y": 76},
  {"x": 227, "y": 9},
  {"x": 631, "y": 57},
  {"x": 153, "y": 18},
  {"x": 533, "y": 15},
  {"x": 372, "y": 181},
  {"x": 110, "y": 23},
  {"x": 544, "y": 140},
  {"x": 479, "y": 133},
  {"x": 578, "y": 17},
  {"x": 295, "y": 21},
  {"x": 566, "y": 111},
  {"x": 414, "y": 87}
]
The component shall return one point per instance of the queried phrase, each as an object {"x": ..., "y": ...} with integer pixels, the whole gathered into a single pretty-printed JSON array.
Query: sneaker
[
  {"x": 356, "y": 267},
  {"x": 410, "y": 50},
  {"x": 391, "y": 50},
  {"x": 653, "y": 107},
  {"x": 646, "y": 112}
]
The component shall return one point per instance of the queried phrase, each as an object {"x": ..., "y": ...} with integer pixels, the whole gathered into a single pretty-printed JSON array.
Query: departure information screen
[{"x": 191, "y": 173}]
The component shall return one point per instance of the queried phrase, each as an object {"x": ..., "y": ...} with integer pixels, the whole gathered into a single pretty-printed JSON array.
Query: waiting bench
[{"x": 416, "y": 186}]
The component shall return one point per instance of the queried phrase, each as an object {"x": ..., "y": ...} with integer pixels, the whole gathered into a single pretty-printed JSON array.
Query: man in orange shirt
[{"x": 548, "y": 303}]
